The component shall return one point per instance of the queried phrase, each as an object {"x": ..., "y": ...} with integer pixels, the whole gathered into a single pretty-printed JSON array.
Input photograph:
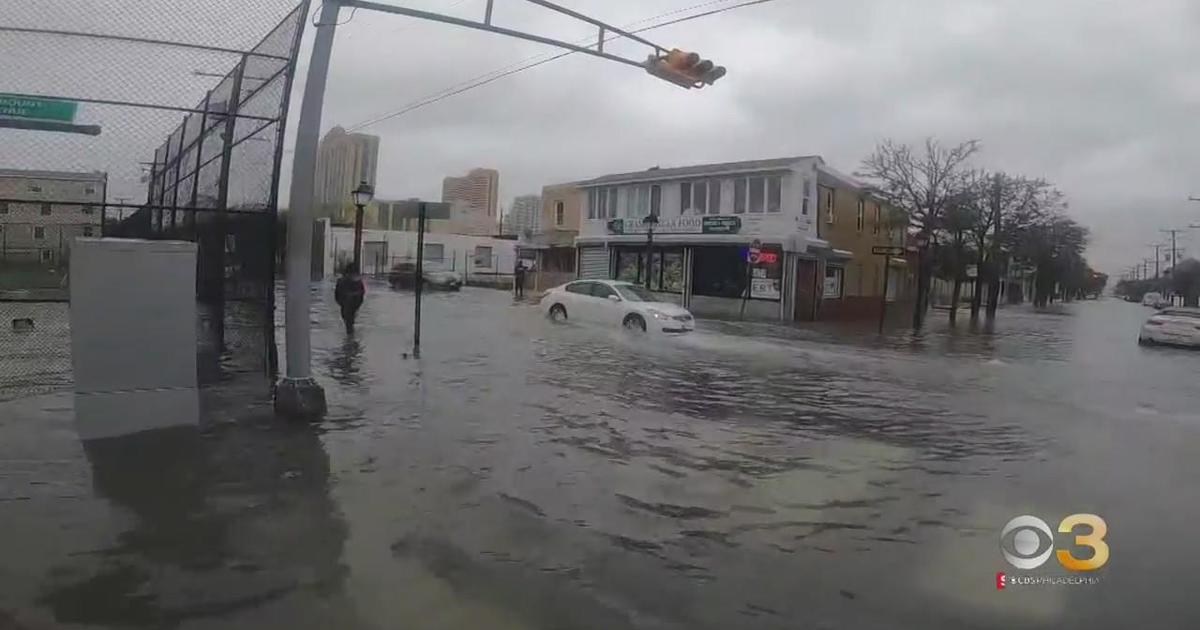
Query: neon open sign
[{"x": 764, "y": 258}]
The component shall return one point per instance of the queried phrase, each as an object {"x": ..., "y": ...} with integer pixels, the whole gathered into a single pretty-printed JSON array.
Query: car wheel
[
  {"x": 558, "y": 312},
  {"x": 635, "y": 322}
]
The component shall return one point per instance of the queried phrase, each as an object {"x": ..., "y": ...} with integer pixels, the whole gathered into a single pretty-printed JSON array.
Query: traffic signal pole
[{"x": 297, "y": 394}]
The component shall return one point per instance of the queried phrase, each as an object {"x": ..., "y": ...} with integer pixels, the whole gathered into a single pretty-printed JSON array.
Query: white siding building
[
  {"x": 708, "y": 217},
  {"x": 471, "y": 256}
]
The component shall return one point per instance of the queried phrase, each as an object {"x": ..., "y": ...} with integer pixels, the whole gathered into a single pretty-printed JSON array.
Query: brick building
[{"x": 42, "y": 211}]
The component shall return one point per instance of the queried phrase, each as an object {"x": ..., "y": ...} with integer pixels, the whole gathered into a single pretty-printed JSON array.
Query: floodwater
[{"x": 529, "y": 475}]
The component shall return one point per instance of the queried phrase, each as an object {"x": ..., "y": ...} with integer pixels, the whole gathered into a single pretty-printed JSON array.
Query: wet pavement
[{"x": 530, "y": 475}]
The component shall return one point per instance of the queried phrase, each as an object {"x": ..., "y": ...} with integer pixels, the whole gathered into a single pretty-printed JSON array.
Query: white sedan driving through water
[
  {"x": 615, "y": 303},
  {"x": 1172, "y": 326}
]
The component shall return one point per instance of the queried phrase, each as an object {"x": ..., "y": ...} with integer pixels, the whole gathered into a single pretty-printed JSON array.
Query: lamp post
[
  {"x": 362, "y": 196},
  {"x": 649, "y": 221}
]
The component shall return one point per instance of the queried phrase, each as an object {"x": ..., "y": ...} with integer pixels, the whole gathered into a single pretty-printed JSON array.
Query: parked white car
[
  {"x": 1154, "y": 299},
  {"x": 1172, "y": 326},
  {"x": 615, "y": 303}
]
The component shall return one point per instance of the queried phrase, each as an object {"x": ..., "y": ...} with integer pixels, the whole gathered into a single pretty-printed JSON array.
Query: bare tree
[
  {"x": 1015, "y": 204},
  {"x": 922, "y": 185}
]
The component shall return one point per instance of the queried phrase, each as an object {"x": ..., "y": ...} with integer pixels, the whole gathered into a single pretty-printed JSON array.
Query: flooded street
[{"x": 530, "y": 475}]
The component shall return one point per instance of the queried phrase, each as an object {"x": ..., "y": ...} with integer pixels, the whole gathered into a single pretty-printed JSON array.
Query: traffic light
[{"x": 685, "y": 69}]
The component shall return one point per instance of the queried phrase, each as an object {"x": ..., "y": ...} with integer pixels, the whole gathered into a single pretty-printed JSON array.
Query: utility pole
[
  {"x": 1172, "y": 232},
  {"x": 1156, "y": 247}
]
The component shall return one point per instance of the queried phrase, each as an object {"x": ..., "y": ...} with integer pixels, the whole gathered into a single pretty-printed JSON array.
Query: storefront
[{"x": 706, "y": 266}]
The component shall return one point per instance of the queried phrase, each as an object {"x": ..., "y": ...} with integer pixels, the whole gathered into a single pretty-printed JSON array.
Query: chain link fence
[{"x": 177, "y": 133}]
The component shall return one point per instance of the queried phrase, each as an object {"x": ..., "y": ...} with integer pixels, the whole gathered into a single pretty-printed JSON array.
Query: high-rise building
[
  {"x": 473, "y": 200},
  {"x": 522, "y": 216},
  {"x": 343, "y": 161}
]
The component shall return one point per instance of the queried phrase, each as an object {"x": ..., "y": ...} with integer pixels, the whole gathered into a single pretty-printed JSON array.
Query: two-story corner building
[
  {"x": 41, "y": 212},
  {"x": 551, "y": 249},
  {"x": 854, "y": 221},
  {"x": 709, "y": 218}
]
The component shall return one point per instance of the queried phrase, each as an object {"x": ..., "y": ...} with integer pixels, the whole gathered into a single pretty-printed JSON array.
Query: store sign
[
  {"x": 679, "y": 225},
  {"x": 12, "y": 106}
]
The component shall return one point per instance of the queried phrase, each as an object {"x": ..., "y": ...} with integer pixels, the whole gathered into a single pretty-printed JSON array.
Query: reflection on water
[{"x": 217, "y": 523}]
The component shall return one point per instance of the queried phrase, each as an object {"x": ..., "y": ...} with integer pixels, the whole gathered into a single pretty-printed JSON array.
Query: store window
[
  {"x": 833, "y": 282},
  {"x": 435, "y": 252},
  {"x": 766, "y": 273},
  {"x": 718, "y": 271},
  {"x": 665, "y": 268}
]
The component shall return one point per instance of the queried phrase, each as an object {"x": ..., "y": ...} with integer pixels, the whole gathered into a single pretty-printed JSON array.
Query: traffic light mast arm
[{"x": 491, "y": 28}]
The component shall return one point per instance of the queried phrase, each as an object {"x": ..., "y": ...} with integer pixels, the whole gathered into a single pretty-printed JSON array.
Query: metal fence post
[{"x": 231, "y": 112}]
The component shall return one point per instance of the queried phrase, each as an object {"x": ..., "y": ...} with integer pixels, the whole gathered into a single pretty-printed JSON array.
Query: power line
[{"x": 496, "y": 75}]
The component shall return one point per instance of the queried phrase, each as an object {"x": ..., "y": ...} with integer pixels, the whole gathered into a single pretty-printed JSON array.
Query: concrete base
[{"x": 299, "y": 398}]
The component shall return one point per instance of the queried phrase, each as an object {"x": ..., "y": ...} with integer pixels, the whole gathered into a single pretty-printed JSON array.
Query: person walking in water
[
  {"x": 519, "y": 280},
  {"x": 349, "y": 294}
]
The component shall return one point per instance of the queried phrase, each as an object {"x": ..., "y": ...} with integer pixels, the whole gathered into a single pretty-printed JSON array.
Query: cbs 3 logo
[{"x": 1026, "y": 542}]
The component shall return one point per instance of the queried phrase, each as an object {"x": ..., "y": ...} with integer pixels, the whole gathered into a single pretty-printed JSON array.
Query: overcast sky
[{"x": 1100, "y": 97}]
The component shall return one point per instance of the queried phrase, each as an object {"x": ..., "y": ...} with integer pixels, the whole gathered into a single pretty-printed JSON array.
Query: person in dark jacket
[
  {"x": 349, "y": 294},
  {"x": 519, "y": 280}
]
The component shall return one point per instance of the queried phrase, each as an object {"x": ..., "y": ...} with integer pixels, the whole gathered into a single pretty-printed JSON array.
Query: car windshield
[{"x": 634, "y": 293}]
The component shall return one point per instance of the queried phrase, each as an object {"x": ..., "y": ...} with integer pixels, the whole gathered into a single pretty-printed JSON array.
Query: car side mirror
[{"x": 614, "y": 297}]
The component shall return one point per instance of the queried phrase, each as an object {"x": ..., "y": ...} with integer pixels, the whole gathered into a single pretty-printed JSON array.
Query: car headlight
[{"x": 657, "y": 314}]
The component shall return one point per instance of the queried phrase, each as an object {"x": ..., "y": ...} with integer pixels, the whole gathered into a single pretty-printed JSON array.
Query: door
[
  {"x": 607, "y": 310},
  {"x": 578, "y": 300},
  {"x": 806, "y": 290},
  {"x": 593, "y": 262}
]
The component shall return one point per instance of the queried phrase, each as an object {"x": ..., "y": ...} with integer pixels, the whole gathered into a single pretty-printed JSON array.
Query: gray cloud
[{"x": 1098, "y": 96}]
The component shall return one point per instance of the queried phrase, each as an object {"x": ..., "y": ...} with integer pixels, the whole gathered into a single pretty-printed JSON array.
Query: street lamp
[
  {"x": 649, "y": 221},
  {"x": 362, "y": 196}
]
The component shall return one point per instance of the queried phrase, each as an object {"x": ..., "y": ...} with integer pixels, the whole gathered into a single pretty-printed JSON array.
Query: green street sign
[
  {"x": 12, "y": 106},
  {"x": 721, "y": 225}
]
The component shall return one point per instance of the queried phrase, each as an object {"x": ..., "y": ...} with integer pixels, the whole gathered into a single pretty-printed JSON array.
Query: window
[
  {"x": 3, "y": 207},
  {"x": 685, "y": 198},
  {"x": 629, "y": 265},
  {"x": 559, "y": 213},
  {"x": 601, "y": 290},
  {"x": 878, "y": 219},
  {"x": 714, "y": 196},
  {"x": 774, "y": 193},
  {"x": 827, "y": 204},
  {"x": 435, "y": 251},
  {"x": 45, "y": 209},
  {"x": 89, "y": 190},
  {"x": 594, "y": 204},
  {"x": 39, "y": 233},
  {"x": 665, "y": 269},
  {"x": 47, "y": 255},
  {"x": 612, "y": 203},
  {"x": 87, "y": 209},
  {"x": 656, "y": 200},
  {"x": 833, "y": 283},
  {"x": 739, "y": 195},
  {"x": 87, "y": 230},
  {"x": 581, "y": 288},
  {"x": 719, "y": 271},
  {"x": 483, "y": 256},
  {"x": 860, "y": 217},
  {"x": 635, "y": 293},
  {"x": 700, "y": 197},
  {"x": 756, "y": 194},
  {"x": 35, "y": 188},
  {"x": 639, "y": 202},
  {"x": 804, "y": 199}
]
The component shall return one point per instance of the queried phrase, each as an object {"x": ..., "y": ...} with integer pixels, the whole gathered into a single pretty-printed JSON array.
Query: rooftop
[
  {"x": 92, "y": 176},
  {"x": 656, "y": 173}
]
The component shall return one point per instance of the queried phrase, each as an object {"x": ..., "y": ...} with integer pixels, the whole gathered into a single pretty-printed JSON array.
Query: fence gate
[{"x": 153, "y": 119}]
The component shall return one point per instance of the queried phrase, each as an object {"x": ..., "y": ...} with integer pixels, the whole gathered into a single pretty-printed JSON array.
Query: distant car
[
  {"x": 1172, "y": 326},
  {"x": 402, "y": 274},
  {"x": 615, "y": 303},
  {"x": 1154, "y": 299}
]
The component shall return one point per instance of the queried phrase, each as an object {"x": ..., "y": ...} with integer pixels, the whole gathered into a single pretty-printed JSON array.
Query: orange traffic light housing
[{"x": 685, "y": 69}]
